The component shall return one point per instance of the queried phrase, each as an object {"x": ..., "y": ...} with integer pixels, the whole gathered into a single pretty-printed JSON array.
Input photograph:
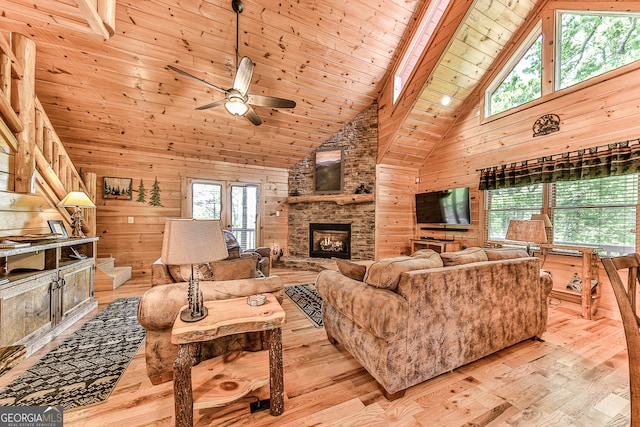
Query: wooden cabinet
[
  {"x": 437, "y": 245},
  {"x": 38, "y": 302}
]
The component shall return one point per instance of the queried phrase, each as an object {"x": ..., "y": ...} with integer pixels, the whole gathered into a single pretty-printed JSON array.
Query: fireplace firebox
[{"x": 330, "y": 240}]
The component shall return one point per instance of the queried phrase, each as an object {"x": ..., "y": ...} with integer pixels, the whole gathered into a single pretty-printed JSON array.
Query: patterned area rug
[
  {"x": 307, "y": 300},
  {"x": 85, "y": 368}
]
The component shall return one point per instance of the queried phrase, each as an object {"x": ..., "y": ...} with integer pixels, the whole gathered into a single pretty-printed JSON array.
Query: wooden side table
[
  {"x": 227, "y": 317},
  {"x": 437, "y": 245}
]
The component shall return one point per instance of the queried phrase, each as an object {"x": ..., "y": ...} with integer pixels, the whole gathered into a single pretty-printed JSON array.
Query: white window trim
[{"x": 508, "y": 67}]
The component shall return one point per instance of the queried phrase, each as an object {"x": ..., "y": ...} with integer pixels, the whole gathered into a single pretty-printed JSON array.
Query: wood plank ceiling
[{"x": 116, "y": 94}]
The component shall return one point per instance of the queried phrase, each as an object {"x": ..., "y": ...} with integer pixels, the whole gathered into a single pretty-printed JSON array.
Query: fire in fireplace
[{"x": 330, "y": 240}]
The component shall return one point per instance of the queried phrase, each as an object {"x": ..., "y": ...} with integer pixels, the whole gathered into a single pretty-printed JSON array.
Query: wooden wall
[
  {"x": 139, "y": 244},
  {"x": 604, "y": 111},
  {"x": 395, "y": 218}
]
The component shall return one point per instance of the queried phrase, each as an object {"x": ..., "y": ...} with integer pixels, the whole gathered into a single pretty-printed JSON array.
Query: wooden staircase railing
[{"x": 40, "y": 156}]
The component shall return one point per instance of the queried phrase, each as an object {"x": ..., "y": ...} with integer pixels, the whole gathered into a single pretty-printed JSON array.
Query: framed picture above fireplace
[{"x": 328, "y": 171}]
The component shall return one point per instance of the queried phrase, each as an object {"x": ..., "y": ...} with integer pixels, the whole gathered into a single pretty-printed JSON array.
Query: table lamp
[
  {"x": 528, "y": 231},
  {"x": 193, "y": 242},
  {"x": 76, "y": 200}
]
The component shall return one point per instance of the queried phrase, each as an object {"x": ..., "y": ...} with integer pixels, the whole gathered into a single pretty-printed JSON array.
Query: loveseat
[{"x": 411, "y": 318}]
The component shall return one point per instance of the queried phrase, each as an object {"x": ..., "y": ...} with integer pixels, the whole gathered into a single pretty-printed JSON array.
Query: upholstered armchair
[{"x": 239, "y": 265}]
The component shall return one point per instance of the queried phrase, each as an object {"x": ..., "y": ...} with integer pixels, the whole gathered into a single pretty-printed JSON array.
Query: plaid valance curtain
[{"x": 619, "y": 158}]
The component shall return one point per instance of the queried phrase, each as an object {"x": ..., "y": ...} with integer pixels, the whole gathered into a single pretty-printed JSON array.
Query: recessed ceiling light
[{"x": 445, "y": 100}]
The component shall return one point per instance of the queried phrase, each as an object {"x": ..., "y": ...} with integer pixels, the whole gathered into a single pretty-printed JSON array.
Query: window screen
[
  {"x": 505, "y": 204},
  {"x": 597, "y": 212}
]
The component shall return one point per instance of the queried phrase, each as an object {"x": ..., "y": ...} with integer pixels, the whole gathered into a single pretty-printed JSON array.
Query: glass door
[
  {"x": 244, "y": 214},
  {"x": 234, "y": 204}
]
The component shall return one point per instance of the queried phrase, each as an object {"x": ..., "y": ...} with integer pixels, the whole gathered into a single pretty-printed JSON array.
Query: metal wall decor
[{"x": 546, "y": 124}]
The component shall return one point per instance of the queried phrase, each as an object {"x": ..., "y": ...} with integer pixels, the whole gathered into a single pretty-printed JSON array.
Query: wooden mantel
[{"x": 340, "y": 199}]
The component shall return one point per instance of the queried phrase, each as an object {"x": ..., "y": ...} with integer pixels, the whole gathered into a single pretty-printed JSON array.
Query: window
[
  {"x": 592, "y": 43},
  {"x": 506, "y": 204},
  {"x": 236, "y": 205},
  {"x": 524, "y": 82},
  {"x": 586, "y": 44},
  {"x": 244, "y": 214},
  {"x": 207, "y": 200},
  {"x": 429, "y": 21},
  {"x": 596, "y": 212}
]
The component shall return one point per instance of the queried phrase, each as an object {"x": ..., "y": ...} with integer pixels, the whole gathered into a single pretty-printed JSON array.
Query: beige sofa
[
  {"x": 160, "y": 305},
  {"x": 410, "y": 319}
]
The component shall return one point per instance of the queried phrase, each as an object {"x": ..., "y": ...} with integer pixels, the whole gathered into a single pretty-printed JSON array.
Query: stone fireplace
[
  {"x": 330, "y": 240},
  {"x": 359, "y": 142}
]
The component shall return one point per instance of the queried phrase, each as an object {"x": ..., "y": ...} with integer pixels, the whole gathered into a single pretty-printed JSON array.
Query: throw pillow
[
  {"x": 385, "y": 273},
  {"x": 351, "y": 270},
  {"x": 229, "y": 269},
  {"x": 234, "y": 269},
  {"x": 426, "y": 253},
  {"x": 505, "y": 253},
  {"x": 464, "y": 256},
  {"x": 182, "y": 273}
]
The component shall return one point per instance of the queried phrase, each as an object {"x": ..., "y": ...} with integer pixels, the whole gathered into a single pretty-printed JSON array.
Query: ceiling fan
[{"x": 237, "y": 100}]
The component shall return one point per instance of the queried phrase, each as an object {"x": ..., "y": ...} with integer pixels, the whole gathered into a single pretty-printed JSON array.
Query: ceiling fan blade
[
  {"x": 213, "y": 104},
  {"x": 270, "y": 101},
  {"x": 252, "y": 116},
  {"x": 243, "y": 76},
  {"x": 185, "y": 74}
]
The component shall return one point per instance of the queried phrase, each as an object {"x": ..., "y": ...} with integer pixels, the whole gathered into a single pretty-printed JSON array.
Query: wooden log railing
[{"x": 39, "y": 152}]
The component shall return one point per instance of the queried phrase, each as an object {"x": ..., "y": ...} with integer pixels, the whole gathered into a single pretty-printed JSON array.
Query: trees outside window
[
  {"x": 594, "y": 43},
  {"x": 523, "y": 83},
  {"x": 587, "y": 44},
  {"x": 596, "y": 212},
  {"x": 207, "y": 200}
]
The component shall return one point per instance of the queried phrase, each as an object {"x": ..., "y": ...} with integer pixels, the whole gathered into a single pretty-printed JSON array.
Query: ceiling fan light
[{"x": 236, "y": 107}]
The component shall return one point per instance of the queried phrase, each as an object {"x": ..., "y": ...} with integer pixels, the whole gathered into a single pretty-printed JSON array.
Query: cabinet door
[
  {"x": 77, "y": 288},
  {"x": 25, "y": 309}
]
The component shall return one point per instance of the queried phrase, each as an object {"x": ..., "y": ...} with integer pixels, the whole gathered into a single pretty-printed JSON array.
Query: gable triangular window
[{"x": 523, "y": 80}]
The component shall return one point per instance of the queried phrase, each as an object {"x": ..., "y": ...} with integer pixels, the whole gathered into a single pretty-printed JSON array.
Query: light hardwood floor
[{"x": 577, "y": 376}]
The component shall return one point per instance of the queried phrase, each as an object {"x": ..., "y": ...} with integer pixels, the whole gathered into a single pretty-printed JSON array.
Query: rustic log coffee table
[{"x": 232, "y": 378}]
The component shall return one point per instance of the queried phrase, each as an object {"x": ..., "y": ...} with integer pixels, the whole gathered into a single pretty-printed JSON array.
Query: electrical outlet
[{"x": 130, "y": 220}]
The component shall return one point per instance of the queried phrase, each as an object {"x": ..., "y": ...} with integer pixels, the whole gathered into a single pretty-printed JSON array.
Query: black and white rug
[
  {"x": 85, "y": 368},
  {"x": 307, "y": 300}
]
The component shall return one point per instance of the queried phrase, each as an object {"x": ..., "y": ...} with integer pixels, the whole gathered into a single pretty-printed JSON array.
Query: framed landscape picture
[
  {"x": 57, "y": 227},
  {"x": 117, "y": 188},
  {"x": 328, "y": 171}
]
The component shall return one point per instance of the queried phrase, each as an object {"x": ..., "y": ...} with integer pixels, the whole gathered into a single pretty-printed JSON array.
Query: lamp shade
[
  {"x": 193, "y": 241},
  {"x": 76, "y": 199},
  {"x": 531, "y": 231},
  {"x": 542, "y": 217}
]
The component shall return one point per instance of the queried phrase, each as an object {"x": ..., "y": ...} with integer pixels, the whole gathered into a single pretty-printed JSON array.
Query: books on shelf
[{"x": 10, "y": 244}]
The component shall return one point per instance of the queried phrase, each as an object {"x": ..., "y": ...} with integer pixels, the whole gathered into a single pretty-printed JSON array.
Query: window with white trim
[
  {"x": 521, "y": 79},
  {"x": 592, "y": 43},
  {"x": 586, "y": 44},
  {"x": 596, "y": 212}
]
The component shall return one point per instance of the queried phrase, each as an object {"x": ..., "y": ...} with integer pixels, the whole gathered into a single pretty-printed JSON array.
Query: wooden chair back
[{"x": 627, "y": 303}]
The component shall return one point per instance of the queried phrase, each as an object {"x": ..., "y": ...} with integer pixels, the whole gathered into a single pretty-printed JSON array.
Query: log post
[{"x": 23, "y": 101}]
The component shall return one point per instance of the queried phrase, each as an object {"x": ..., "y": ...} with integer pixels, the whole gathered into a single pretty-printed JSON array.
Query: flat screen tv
[{"x": 443, "y": 207}]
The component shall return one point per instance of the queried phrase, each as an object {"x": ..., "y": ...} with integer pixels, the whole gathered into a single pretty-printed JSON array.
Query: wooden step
[
  {"x": 105, "y": 264},
  {"x": 109, "y": 277}
]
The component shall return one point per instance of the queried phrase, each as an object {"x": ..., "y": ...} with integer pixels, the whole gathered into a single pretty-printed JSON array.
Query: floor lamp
[
  {"x": 192, "y": 242},
  {"x": 77, "y": 200},
  {"x": 527, "y": 231}
]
